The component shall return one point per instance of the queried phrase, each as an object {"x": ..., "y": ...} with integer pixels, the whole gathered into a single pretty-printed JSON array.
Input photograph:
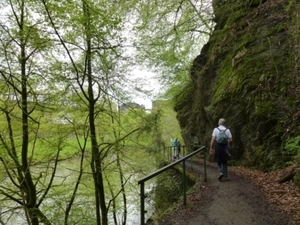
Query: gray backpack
[{"x": 222, "y": 137}]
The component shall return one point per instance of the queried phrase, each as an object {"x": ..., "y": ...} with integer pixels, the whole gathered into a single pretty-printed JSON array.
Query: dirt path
[{"x": 233, "y": 202}]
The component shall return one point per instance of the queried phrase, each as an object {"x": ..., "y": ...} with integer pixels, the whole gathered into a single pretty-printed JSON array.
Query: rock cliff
[{"x": 247, "y": 73}]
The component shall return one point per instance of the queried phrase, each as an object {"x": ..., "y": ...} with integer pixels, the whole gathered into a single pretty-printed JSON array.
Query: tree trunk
[
  {"x": 96, "y": 155},
  {"x": 27, "y": 184}
]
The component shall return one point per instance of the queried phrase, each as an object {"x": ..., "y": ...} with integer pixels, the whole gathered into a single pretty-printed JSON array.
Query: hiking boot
[{"x": 220, "y": 177}]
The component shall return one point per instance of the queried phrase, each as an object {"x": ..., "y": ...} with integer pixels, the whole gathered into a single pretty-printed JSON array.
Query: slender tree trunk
[
  {"x": 119, "y": 166},
  {"x": 96, "y": 155},
  {"x": 26, "y": 184},
  {"x": 121, "y": 175},
  {"x": 70, "y": 203}
]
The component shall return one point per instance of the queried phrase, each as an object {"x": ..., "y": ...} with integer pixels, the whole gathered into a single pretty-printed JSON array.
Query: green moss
[
  {"x": 221, "y": 87},
  {"x": 260, "y": 157},
  {"x": 249, "y": 75},
  {"x": 169, "y": 189},
  {"x": 183, "y": 97},
  {"x": 297, "y": 179},
  {"x": 262, "y": 108},
  {"x": 235, "y": 16},
  {"x": 292, "y": 148},
  {"x": 253, "y": 157}
]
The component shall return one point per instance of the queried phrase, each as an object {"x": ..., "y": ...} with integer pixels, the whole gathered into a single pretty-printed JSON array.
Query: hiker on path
[
  {"x": 219, "y": 146},
  {"x": 176, "y": 147}
]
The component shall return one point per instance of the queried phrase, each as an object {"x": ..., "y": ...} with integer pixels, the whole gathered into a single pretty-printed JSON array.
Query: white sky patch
[{"x": 149, "y": 86}]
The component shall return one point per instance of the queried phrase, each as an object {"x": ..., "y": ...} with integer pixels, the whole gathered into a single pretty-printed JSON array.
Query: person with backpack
[
  {"x": 176, "y": 147},
  {"x": 219, "y": 147}
]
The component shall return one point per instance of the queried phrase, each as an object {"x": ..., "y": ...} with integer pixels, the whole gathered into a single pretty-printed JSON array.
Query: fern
[{"x": 292, "y": 146}]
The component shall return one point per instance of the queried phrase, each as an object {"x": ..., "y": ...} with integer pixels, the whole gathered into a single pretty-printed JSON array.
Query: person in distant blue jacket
[
  {"x": 175, "y": 145},
  {"x": 219, "y": 149}
]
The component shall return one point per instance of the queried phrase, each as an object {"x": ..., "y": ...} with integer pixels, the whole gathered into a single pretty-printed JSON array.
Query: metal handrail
[
  {"x": 169, "y": 151},
  {"x": 148, "y": 177}
]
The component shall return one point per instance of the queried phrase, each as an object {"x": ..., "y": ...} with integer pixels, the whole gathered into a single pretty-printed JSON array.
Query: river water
[{"x": 83, "y": 210}]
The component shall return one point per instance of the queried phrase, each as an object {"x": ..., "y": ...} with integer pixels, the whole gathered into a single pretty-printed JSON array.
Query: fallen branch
[{"x": 289, "y": 176}]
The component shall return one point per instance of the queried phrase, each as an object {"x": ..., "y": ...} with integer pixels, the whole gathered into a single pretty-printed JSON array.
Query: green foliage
[
  {"x": 174, "y": 32},
  {"x": 182, "y": 94},
  {"x": 179, "y": 89},
  {"x": 169, "y": 124},
  {"x": 292, "y": 147},
  {"x": 263, "y": 108},
  {"x": 169, "y": 189},
  {"x": 56, "y": 39},
  {"x": 251, "y": 157},
  {"x": 259, "y": 157},
  {"x": 297, "y": 179}
]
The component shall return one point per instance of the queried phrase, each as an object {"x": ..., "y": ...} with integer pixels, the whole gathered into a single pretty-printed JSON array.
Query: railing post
[
  {"x": 183, "y": 159},
  {"x": 142, "y": 191},
  {"x": 184, "y": 183},
  {"x": 204, "y": 162}
]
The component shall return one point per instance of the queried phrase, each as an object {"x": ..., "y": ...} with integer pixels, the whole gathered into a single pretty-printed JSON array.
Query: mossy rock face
[{"x": 247, "y": 73}]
